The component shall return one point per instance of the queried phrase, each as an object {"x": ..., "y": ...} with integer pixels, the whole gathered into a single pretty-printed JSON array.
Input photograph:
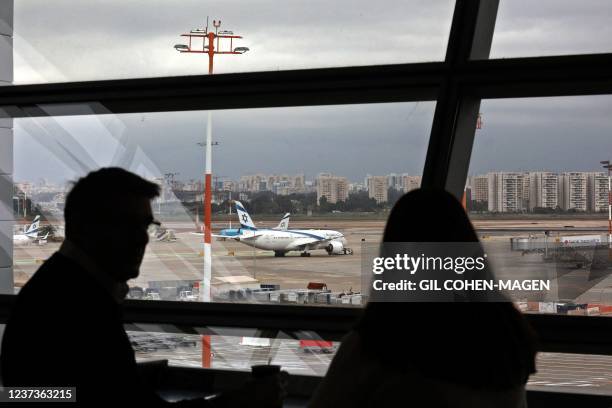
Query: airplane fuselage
[
  {"x": 282, "y": 239},
  {"x": 291, "y": 240},
  {"x": 22, "y": 239}
]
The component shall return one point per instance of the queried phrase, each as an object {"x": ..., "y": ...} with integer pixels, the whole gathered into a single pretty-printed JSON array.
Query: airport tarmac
[{"x": 182, "y": 259}]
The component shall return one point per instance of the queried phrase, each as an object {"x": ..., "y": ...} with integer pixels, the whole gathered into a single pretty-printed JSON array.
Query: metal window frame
[{"x": 457, "y": 84}]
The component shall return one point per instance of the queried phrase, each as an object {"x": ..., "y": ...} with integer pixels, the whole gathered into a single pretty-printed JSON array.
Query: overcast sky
[{"x": 81, "y": 40}]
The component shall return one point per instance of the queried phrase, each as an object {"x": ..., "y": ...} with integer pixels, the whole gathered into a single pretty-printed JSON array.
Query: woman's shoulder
[
  {"x": 387, "y": 387},
  {"x": 417, "y": 390}
]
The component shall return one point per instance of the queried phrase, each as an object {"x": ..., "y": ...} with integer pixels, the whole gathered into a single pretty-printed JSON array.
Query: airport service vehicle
[
  {"x": 282, "y": 241},
  {"x": 317, "y": 346},
  {"x": 30, "y": 234},
  {"x": 538, "y": 244},
  {"x": 153, "y": 296},
  {"x": 163, "y": 234},
  {"x": 187, "y": 296},
  {"x": 582, "y": 240},
  {"x": 574, "y": 251}
]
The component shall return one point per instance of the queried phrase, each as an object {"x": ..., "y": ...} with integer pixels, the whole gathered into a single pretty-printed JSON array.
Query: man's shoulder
[
  {"x": 57, "y": 281},
  {"x": 56, "y": 272},
  {"x": 62, "y": 295},
  {"x": 58, "y": 260}
]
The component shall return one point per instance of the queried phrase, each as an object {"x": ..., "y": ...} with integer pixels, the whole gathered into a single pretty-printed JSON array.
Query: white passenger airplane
[
  {"x": 282, "y": 239},
  {"x": 30, "y": 235}
]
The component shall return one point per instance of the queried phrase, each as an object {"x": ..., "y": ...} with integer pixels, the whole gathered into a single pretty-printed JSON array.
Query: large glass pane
[
  {"x": 552, "y": 27},
  {"x": 538, "y": 195},
  {"x": 72, "y": 41},
  {"x": 232, "y": 349},
  {"x": 333, "y": 169},
  {"x": 582, "y": 373},
  {"x": 239, "y": 349}
]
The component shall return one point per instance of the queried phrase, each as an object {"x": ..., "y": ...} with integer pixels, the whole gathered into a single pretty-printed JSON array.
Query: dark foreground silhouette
[
  {"x": 66, "y": 327},
  {"x": 463, "y": 354}
]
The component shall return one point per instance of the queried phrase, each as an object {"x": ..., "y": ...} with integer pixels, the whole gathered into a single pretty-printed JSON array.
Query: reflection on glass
[
  {"x": 302, "y": 357},
  {"x": 240, "y": 351},
  {"x": 335, "y": 170}
]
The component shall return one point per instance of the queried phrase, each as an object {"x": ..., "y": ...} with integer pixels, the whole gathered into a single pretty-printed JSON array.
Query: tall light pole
[
  {"x": 208, "y": 47},
  {"x": 606, "y": 165},
  {"x": 207, "y": 172}
]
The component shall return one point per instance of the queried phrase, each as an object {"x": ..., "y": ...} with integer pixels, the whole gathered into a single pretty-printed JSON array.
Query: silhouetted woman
[{"x": 465, "y": 354}]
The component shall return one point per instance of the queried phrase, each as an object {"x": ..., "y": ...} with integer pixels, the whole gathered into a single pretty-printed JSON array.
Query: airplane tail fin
[
  {"x": 32, "y": 230},
  {"x": 283, "y": 225},
  {"x": 245, "y": 219}
]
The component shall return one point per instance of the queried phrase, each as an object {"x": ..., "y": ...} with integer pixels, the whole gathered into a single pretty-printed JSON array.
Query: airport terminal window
[
  {"x": 547, "y": 136},
  {"x": 240, "y": 350},
  {"x": 333, "y": 169},
  {"x": 115, "y": 39},
  {"x": 538, "y": 196},
  {"x": 528, "y": 29}
]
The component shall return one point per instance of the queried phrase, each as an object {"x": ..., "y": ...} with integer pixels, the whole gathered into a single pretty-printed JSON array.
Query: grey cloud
[
  {"x": 549, "y": 27},
  {"x": 121, "y": 39},
  {"x": 557, "y": 134},
  {"x": 92, "y": 40}
]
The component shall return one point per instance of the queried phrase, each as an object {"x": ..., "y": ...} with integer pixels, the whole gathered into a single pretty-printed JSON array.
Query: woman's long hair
[{"x": 479, "y": 345}]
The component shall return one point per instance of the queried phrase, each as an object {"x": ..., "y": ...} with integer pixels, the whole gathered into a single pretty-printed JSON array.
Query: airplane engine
[{"x": 335, "y": 248}]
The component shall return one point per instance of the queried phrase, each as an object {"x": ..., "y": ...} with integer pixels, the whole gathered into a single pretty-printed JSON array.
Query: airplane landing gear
[
  {"x": 279, "y": 253},
  {"x": 305, "y": 253}
]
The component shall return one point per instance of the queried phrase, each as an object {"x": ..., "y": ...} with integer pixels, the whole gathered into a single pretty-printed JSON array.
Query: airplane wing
[
  {"x": 245, "y": 236},
  {"x": 307, "y": 243},
  {"x": 201, "y": 234},
  {"x": 220, "y": 237}
]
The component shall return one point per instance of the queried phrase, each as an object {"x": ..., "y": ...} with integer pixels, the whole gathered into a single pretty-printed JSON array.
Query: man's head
[{"x": 107, "y": 215}]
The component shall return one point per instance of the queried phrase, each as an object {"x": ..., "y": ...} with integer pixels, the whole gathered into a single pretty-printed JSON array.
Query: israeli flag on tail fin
[
  {"x": 245, "y": 219},
  {"x": 32, "y": 230},
  {"x": 283, "y": 225}
]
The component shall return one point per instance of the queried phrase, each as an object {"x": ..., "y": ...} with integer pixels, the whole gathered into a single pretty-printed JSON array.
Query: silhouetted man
[{"x": 66, "y": 327}]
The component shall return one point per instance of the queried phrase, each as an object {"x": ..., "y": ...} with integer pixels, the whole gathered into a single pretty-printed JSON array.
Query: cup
[{"x": 265, "y": 370}]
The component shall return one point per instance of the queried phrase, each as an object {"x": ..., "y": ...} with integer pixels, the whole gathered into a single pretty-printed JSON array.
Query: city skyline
[
  {"x": 535, "y": 188},
  {"x": 42, "y": 181}
]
